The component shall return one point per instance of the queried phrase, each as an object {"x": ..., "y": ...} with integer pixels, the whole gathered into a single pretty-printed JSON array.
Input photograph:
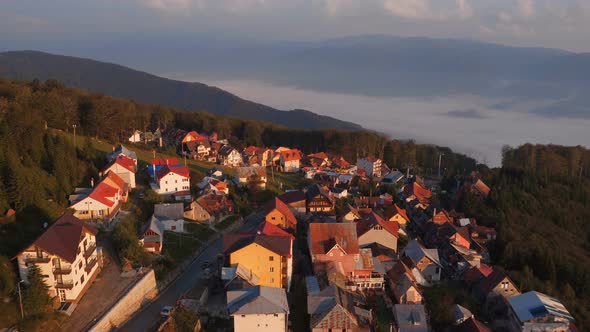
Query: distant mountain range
[{"x": 123, "y": 82}]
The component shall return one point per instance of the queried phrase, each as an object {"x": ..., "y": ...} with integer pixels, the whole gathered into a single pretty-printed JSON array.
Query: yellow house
[
  {"x": 399, "y": 216},
  {"x": 267, "y": 257},
  {"x": 279, "y": 214}
]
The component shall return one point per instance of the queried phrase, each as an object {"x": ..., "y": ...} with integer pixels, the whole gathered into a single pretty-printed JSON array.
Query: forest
[{"x": 540, "y": 203}]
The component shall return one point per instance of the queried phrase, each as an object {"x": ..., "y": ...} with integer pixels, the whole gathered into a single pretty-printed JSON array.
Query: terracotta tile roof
[
  {"x": 291, "y": 155},
  {"x": 177, "y": 169},
  {"x": 63, "y": 237},
  {"x": 321, "y": 235},
  {"x": 269, "y": 229},
  {"x": 283, "y": 209},
  {"x": 165, "y": 161},
  {"x": 340, "y": 162},
  {"x": 190, "y": 136},
  {"x": 372, "y": 220}
]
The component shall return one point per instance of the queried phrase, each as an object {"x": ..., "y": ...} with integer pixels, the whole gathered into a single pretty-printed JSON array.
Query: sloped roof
[
  {"x": 191, "y": 136},
  {"x": 475, "y": 273},
  {"x": 124, "y": 162},
  {"x": 257, "y": 300},
  {"x": 282, "y": 208},
  {"x": 122, "y": 150},
  {"x": 245, "y": 172},
  {"x": 278, "y": 244},
  {"x": 117, "y": 180},
  {"x": 410, "y": 317},
  {"x": 292, "y": 196},
  {"x": 177, "y": 169},
  {"x": 532, "y": 305},
  {"x": 169, "y": 211},
  {"x": 322, "y": 234},
  {"x": 332, "y": 299},
  {"x": 415, "y": 251},
  {"x": 482, "y": 187},
  {"x": 226, "y": 150},
  {"x": 317, "y": 190},
  {"x": 63, "y": 237},
  {"x": 290, "y": 155},
  {"x": 490, "y": 282},
  {"x": 269, "y": 229},
  {"x": 102, "y": 191},
  {"x": 472, "y": 325},
  {"x": 165, "y": 161},
  {"x": 372, "y": 220}
]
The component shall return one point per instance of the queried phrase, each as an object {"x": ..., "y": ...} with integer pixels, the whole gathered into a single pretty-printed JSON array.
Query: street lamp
[
  {"x": 439, "y": 162},
  {"x": 75, "y": 145},
  {"x": 20, "y": 299}
]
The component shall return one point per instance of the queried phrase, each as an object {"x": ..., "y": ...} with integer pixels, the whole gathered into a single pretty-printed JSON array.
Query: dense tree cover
[{"x": 542, "y": 208}]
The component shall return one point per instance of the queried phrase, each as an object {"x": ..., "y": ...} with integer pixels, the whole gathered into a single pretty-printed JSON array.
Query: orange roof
[
  {"x": 290, "y": 155},
  {"x": 191, "y": 136},
  {"x": 323, "y": 237},
  {"x": 113, "y": 178},
  {"x": 421, "y": 193},
  {"x": 482, "y": 187},
  {"x": 180, "y": 170},
  {"x": 283, "y": 209},
  {"x": 102, "y": 191}
]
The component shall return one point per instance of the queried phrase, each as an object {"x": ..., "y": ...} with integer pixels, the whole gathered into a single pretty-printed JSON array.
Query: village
[{"x": 307, "y": 243}]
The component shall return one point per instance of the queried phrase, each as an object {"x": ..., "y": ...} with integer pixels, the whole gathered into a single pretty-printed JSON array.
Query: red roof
[
  {"x": 165, "y": 161},
  {"x": 420, "y": 192},
  {"x": 191, "y": 136},
  {"x": 117, "y": 180},
  {"x": 401, "y": 212},
  {"x": 482, "y": 187},
  {"x": 102, "y": 191},
  {"x": 180, "y": 170},
  {"x": 476, "y": 273},
  {"x": 290, "y": 155},
  {"x": 63, "y": 237},
  {"x": 323, "y": 237},
  {"x": 269, "y": 229},
  {"x": 373, "y": 219},
  {"x": 123, "y": 161},
  {"x": 283, "y": 209}
]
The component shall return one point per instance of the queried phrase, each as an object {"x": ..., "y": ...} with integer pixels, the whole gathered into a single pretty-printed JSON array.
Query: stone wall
[{"x": 143, "y": 292}]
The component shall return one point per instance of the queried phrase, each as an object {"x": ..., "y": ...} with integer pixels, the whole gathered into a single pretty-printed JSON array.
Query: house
[
  {"x": 370, "y": 165},
  {"x": 254, "y": 177},
  {"x": 460, "y": 314},
  {"x": 404, "y": 285},
  {"x": 350, "y": 214},
  {"x": 278, "y": 213},
  {"x": 426, "y": 261},
  {"x": 410, "y": 318},
  {"x": 534, "y": 311},
  {"x": 441, "y": 217},
  {"x": 209, "y": 208},
  {"x": 270, "y": 258},
  {"x": 317, "y": 200},
  {"x": 191, "y": 136},
  {"x": 335, "y": 309},
  {"x": 319, "y": 159},
  {"x": 238, "y": 277},
  {"x": 259, "y": 308},
  {"x": 296, "y": 200},
  {"x": 396, "y": 214},
  {"x": 210, "y": 184},
  {"x": 170, "y": 178},
  {"x": 290, "y": 160},
  {"x": 66, "y": 255},
  {"x": 338, "y": 193},
  {"x": 476, "y": 273},
  {"x": 471, "y": 325},
  {"x": 494, "y": 287},
  {"x": 393, "y": 178},
  {"x": 373, "y": 229},
  {"x": 339, "y": 163},
  {"x": 135, "y": 137},
  {"x": 102, "y": 202},
  {"x": 120, "y": 150},
  {"x": 229, "y": 156},
  {"x": 197, "y": 149},
  {"x": 418, "y": 191},
  {"x": 124, "y": 167},
  {"x": 166, "y": 217},
  {"x": 263, "y": 155}
]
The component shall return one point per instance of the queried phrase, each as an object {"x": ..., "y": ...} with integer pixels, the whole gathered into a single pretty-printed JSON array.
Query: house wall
[
  {"x": 505, "y": 292},
  {"x": 172, "y": 183},
  {"x": 173, "y": 225},
  {"x": 380, "y": 236},
  {"x": 92, "y": 210},
  {"x": 290, "y": 166},
  {"x": 197, "y": 213},
  {"x": 262, "y": 322},
  {"x": 429, "y": 269},
  {"x": 276, "y": 218},
  {"x": 78, "y": 276},
  {"x": 399, "y": 219},
  {"x": 257, "y": 259},
  {"x": 123, "y": 173},
  {"x": 142, "y": 292}
]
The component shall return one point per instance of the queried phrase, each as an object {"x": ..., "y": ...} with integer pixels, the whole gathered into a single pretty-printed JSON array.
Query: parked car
[{"x": 166, "y": 311}]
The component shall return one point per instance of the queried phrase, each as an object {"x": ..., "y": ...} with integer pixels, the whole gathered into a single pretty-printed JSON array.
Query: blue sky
[{"x": 34, "y": 24}]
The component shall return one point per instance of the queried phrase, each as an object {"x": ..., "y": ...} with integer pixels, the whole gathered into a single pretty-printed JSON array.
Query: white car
[{"x": 166, "y": 311}]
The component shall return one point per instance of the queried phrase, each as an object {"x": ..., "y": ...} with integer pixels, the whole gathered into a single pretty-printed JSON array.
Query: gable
[
  {"x": 255, "y": 251},
  {"x": 336, "y": 318},
  {"x": 336, "y": 251}
]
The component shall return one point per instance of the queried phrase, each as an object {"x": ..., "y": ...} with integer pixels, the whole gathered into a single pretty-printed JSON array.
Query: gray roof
[
  {"x": 312, "y": 284},
  {"x": 122, "y": 150},
  {"x": 532, "y": 305},
  {"x": 461, "y": 313},
  {"x": 319, "y": 305},
  {"x": 169, "y": 211},
  {"x": 416, "y": 252},
  {"x": 257, "y": 300},
  {"x": 410, "y": 317}
]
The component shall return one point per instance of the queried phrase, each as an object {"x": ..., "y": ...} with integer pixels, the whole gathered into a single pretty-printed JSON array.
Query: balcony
[
  {"x": 32, "y": 259},
  {"x": 89, "y": 249},
  {"x": 67, "y": 284},
  {"x": 90, "y": 265},
  {"x": 62, "y": 270}
]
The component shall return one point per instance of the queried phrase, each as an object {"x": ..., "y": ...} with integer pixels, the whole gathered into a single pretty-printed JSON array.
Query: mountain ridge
[{"x": 124, "y": 82}]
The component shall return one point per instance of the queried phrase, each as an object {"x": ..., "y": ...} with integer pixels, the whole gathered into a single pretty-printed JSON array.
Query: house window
[
  {"x": 175, "y": 181},
  {"x": 82, "y": 279},
  {"x": 271, "y": 269},
  {"x": 331, "y": 254},
  {"x": 166, "y": 182},
  {"x": 272, "y": 279},
  {"x": 271, "y": 258},
  {"x": 173, "y": 228},
  {"x": 80, "y": 265},
  {"x": 273, "y": 218}
]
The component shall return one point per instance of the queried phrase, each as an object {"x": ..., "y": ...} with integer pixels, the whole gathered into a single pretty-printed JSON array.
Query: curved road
[{"x": 146, "y": 318}]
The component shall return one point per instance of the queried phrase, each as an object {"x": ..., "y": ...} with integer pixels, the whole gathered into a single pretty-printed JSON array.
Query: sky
[{"x": 34, "y": 24}]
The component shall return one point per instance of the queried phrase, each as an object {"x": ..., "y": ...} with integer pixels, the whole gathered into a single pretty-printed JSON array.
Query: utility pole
[
  {"x": 439, "y": 162},
  {"x": 20, "y": 300},
  {"x": 75, "y": 145}
]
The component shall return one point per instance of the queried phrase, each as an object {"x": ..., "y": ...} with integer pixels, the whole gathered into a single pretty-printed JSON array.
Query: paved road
[{"x": 147, "y": 318}]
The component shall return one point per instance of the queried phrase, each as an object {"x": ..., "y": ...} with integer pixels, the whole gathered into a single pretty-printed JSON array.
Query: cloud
[
  {"x": 467, "y": 114},
  {"x": 426, "y": 10},
  {"x": 526, "y": 8}
]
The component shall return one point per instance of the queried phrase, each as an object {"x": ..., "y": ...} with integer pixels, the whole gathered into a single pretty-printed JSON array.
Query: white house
[
  {"x": 373, "y": 229},
  {"x": 171, "y": 179},
  {"x": 229, "y": 156},
  {"x": 371, "y": 165},
  {"x": 124, "y": 167},
  {"x": 258, "y": 308},
  {"x": 426, "y": 261},
  {"x": 135, "y": 137},
  {"x": 290, "y": 160},
  {"x": 101, "y": 202},
  {"x": 166, "y": 217},
  {"x": 66, "y": 256}
]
